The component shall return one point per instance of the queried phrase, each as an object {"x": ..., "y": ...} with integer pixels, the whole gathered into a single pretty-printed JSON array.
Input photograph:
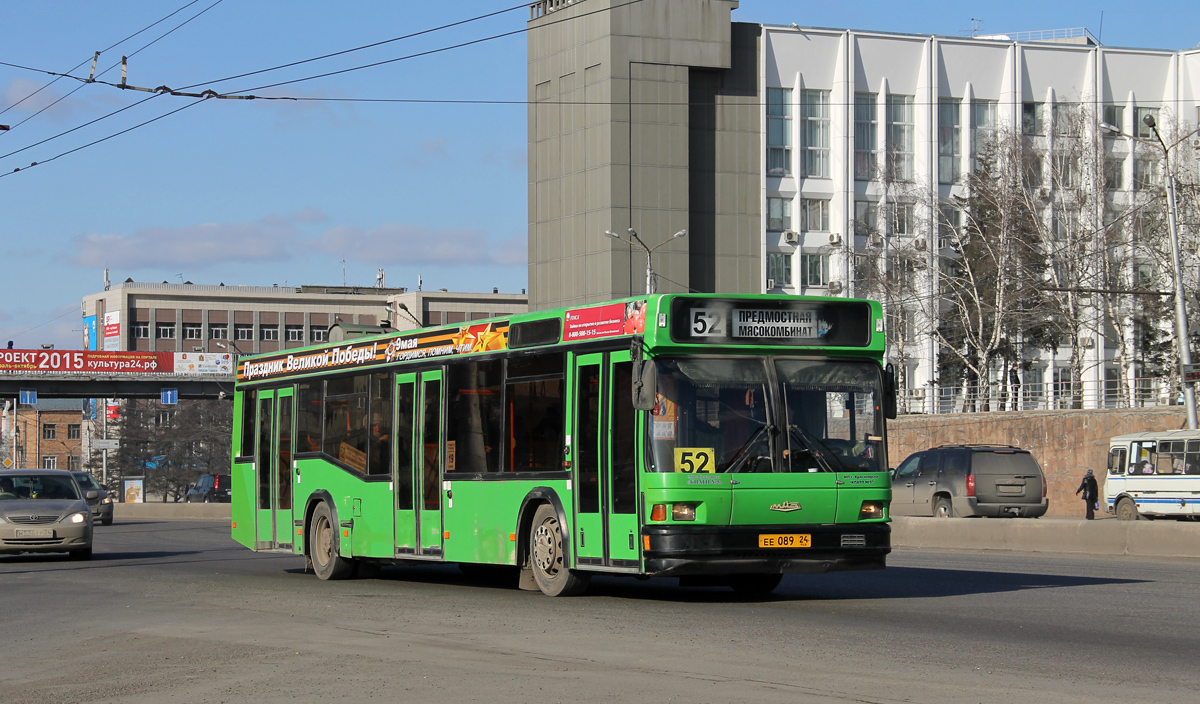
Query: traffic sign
[
  {"x": 1191, "y": 372},
  {"x": 170, "y": 397},
  {"x": 106, "y": 444},
  {"x": 7, "y": 462},
  {"x": 28, "y": 396}
]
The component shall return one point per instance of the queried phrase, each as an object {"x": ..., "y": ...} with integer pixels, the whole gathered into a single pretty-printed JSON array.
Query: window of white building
[
  {"x": 1147, "y": 173},
  {"x": 814, "y": 214},
  {"x": 1114, "y": 173},
  {"x": 864, "y": 135},
  {"x": 903, "y": 219},
  {"x": 983, "y": 127},
  {"x": 779, "y": 131},
  {"x": 1143, "y": 130},
  {"x": 779, "y": 269},
  {"x": 814, "y": 269},
  {"x": 1033, "y": 120},
  {"x": 900, "y": 136},
  {"x": 815, "y": 113},
  {"x": 779, "y": 214},
  {"x": 866, "y": 221},
  {"x": 1114, "y": 115},
  {"x": 949, "y": 140}
]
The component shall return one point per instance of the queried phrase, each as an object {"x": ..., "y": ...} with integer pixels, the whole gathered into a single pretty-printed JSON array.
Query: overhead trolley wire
[
  {"x": 77, "y": 88},
  {"x": 210, "y": 95}
]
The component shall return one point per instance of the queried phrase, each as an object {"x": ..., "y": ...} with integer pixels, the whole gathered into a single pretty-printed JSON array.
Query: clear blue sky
[{"x": 273, "y": 192}]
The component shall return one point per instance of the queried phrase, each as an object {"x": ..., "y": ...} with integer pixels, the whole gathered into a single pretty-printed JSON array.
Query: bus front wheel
[
  {"x": 322, "y": 546},
  {"x": 1127, "y": 510},
  {"x": 546, "y": 556}
]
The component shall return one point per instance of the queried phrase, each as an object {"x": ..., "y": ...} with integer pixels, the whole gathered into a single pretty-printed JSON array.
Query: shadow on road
[{"x": 892, "y": 583}]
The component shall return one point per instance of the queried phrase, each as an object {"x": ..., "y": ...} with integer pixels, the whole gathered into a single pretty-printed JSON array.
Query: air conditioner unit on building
[
  {"x": 835, "y": 287},
  {"x": 1089, "y": 343},
  {"x": 835, "y": 238},
  {"x": 874, "y": 240},
  {"x": 791, "y": 236},
  {"x": 1043, "y": 194},
  {"x": 770, "y": 284},
  {"x": 919, "y": 243}
]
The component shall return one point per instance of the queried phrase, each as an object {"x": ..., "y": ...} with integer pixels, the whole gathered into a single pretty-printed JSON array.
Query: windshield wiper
[
  {"x": 817, "y": 449},
  {"x": 744, "y": 450}
]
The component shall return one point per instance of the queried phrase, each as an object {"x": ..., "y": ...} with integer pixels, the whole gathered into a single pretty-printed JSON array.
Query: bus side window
[{"x": 1192, "y": 458}]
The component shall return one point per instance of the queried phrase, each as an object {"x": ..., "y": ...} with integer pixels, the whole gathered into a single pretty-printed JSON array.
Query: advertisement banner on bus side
[
  {"x": 484, "y": 337},
  {"x": 605, "y": 321}
]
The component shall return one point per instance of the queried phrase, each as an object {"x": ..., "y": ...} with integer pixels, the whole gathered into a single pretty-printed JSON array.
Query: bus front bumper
[{"x": 675, "y": 550}]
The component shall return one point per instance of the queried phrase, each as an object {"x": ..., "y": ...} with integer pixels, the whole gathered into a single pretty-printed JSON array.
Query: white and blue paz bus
[{"x": 1154, "y": 474}]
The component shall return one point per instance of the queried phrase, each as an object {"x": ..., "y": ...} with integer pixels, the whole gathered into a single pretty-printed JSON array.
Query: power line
[
  {"x": 79, "y": 87},
  {"x": 359, "y": 48},
  {"x": 210, "y": 95},
  {"x": 104, "y": 139},
  {"x": 81, "y": 63}
]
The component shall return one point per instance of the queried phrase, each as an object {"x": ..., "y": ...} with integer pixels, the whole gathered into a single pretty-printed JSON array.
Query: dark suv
[
  {"x": 209, "y": 489},
  {"x": 969, "y": 480}
]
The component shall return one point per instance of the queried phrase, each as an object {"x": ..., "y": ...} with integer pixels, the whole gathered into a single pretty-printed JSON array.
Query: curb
[{"x": 1100, "y": 537}]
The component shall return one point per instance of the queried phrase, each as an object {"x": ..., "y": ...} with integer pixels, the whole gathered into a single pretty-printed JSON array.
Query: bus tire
[
  {"x": 942, "y": 508},
  {"x": 546, "y": 557},
  {"x": 754, "y": 584},
  {"x": 1127, "y": 510},
  {"x": 322, "y": 546}
]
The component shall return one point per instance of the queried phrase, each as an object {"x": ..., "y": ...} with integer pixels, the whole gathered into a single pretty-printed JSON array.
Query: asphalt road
[{"x": 177, "y": 612}]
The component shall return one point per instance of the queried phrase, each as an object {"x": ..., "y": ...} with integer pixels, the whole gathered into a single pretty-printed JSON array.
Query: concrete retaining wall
[
  {"x": 1099, "y": 537},
  {"x": 1067, "y": 443}
]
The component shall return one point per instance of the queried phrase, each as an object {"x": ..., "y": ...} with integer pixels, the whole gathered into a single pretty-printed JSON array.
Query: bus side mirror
[
  {"x": 645, "y": 378},
  {"x": 889, "y": 391}
]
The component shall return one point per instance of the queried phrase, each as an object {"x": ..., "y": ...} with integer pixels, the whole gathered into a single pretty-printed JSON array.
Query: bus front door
[
  {"x": 605, "y": 474},
  {"x": 273, "y": 465},
  {"x": 418, "y": 465}
]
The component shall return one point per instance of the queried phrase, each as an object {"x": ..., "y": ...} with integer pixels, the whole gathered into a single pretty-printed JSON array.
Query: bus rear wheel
[
  {"x": 546, "y": 556},
  {"x": 1127, "y": 510},
  {"x": 322, "y": 542}
]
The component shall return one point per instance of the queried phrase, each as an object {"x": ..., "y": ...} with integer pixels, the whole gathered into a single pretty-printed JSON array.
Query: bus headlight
[
  {"x": 871, "y": 509},
  {"x": 683, "y": 512}
]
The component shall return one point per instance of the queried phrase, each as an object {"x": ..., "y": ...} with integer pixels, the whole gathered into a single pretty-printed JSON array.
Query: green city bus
[{"x": 723, "y": 440}]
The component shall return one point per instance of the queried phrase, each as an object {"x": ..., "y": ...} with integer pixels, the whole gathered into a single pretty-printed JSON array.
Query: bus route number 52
[
  {"x": 695, "y": 460},
  {"x": 707, "y": 322}
]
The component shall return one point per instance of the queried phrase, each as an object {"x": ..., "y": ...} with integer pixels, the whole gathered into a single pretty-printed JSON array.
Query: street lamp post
[
  {"x": 651, "y": 284},
  {"x": 1182, "y": 343}
]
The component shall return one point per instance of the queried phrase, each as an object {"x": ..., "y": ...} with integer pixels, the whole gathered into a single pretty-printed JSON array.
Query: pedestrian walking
[{"x": 1091, "y": 494}]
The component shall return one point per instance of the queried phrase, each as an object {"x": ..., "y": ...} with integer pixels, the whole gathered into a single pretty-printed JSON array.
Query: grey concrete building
[
  {"x": 251, "y": 319},
  {"x": 643, "y": 115}
]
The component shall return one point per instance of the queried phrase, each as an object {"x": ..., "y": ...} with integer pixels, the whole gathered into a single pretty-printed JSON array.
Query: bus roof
[
  {"x": 1156, "y": 435},
  {"x": 668, "y": 323}
]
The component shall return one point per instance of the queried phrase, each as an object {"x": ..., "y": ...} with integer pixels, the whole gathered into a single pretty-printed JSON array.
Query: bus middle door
[{"x": 605, "y": 462}]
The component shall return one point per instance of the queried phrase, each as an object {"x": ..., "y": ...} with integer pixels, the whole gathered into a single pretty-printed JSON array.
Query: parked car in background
[
  {"x": 209, "y": 489},
  {"x": 102, "y": 505},
  {"x": 969, "y": 480},
  {"x": 43, "y": 510}
]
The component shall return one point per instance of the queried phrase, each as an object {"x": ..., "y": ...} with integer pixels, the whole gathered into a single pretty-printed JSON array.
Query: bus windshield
[{"x": 755, "y": 415}]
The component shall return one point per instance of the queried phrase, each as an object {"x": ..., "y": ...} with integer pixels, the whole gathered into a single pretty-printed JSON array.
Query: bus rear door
[{"x": 273, "y": 465}]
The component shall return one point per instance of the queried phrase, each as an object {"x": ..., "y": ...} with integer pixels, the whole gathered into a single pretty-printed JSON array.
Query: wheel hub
[{"x": 545, "y": 548}]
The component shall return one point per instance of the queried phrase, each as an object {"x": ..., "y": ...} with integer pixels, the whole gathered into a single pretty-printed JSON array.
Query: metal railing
[
  {"x": 1149, "y": 392},
  {"x": 541, "y": 8}
]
